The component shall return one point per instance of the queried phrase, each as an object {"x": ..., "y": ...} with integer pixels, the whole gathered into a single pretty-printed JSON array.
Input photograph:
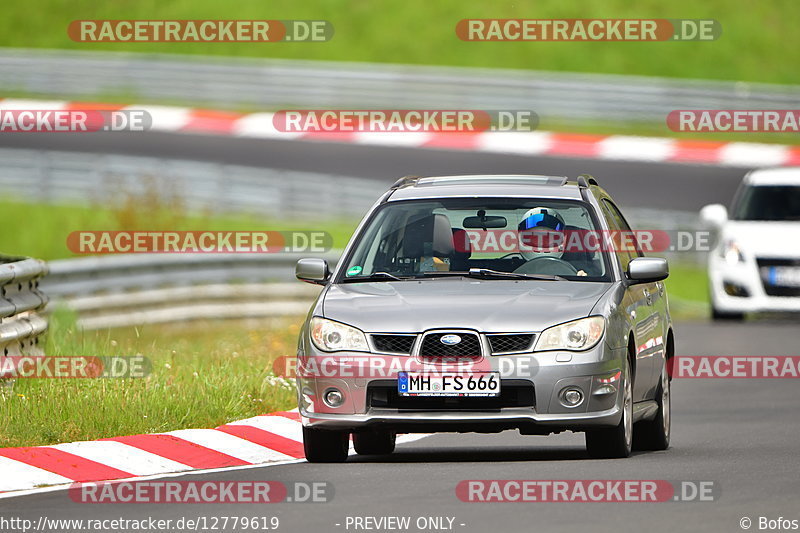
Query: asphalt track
[
  {"x": 678, "y": 186},
  {"x": 742, "y": 435}
]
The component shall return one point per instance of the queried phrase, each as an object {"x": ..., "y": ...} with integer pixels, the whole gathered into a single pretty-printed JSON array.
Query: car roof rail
[
  {"x": 405, "y": 181},
  {"x": 585, "y": 180}
]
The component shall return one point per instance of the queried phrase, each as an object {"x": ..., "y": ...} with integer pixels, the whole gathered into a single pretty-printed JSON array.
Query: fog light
[
  {"x": 572, "y": 397},
  {"x": 333, "y": 397},
  {"x": 733, "y": 289}
]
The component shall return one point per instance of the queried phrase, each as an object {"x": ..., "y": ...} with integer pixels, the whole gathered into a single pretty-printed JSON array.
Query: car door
[{"x": 641, "y": 307}]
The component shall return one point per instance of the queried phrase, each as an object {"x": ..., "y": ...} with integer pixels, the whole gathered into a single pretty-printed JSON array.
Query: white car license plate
[
  {"x": 448, "y": 384},
  {"x": 784, "y": 276}
]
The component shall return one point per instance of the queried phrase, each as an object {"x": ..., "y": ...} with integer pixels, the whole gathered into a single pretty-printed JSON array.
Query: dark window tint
[{"x": 769, "y": 202}]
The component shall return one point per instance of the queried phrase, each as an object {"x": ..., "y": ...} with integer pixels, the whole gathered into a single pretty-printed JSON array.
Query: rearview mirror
[
  {"x": 485, "y": 222},
  {"x": 312, "y": 270},
  {"x": 714, "y": 215},
  {"x": 647, "y": 269}
]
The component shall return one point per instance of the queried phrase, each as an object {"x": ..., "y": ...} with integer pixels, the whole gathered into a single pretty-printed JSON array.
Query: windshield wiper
[
  {"x": 376, "y": 276},
  {"x": 488, "y": 273}
]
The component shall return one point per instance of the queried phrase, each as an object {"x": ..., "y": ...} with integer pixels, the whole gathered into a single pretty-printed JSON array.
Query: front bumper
[
  {"x": 526, "y": 421},
  {"x": 595, "y": 372},
  {"x": 744, "y": 278}
]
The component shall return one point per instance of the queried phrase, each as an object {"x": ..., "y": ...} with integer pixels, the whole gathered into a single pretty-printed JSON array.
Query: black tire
[
  {"x": 374, "y": 442},
  {"x": 655, "y": 434},
  {"x": 325, "y": 446},
  {"x": 716, "y": 314},
  {"x": 616, "y": 442}
]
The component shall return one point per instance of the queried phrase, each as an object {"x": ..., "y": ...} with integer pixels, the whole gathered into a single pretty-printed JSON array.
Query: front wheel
[
  {"x": 733, "y": 316},
  {"x": 616, "y": 442},
  {"x": 325, "y": 446},
  {"x": 654, "y": 434}
]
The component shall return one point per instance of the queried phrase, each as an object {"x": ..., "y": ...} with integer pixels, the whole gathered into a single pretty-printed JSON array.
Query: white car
[{"x": 755, "y": 266}]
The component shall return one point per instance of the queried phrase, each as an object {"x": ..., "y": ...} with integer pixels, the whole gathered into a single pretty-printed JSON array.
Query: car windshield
[
  {"x": 500, "y": 238},
  {"x": 769, "y": 202}
]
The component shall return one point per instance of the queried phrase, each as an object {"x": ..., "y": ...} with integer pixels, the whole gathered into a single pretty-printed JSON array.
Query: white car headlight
[
  {"x": 732, "y": 253},
  {"x": 576, "y": 336},
  {"x": 330, "y": 336}
]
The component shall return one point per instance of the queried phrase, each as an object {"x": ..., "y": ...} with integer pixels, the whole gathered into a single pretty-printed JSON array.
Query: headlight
[
  {"x": 330, "y": 336},
  {"x": 576, "y": 335},
  {"x": 732, "y": 253}
]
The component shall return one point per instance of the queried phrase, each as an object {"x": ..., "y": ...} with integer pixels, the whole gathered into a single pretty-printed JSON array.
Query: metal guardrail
[
  {"x": 228, "y": 82},
  {"x": 77, "y": 177},
  {"x": 21, "y": 325},
  {"x": 114, "y": 291}
]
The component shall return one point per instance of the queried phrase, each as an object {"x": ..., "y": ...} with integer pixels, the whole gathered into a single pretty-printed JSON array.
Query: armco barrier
[
  {"x": 262, "y": 84},
  {"x": 113, "y": 291},
  {"x": 97, "y": 178},
  {"x": 21, "y": 325}
]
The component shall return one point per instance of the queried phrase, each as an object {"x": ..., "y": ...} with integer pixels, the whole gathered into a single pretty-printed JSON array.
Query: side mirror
[
  {"x": 312, "y": 270},
  {"x": 648, "y": 269},
  {"x": 714, "y": 215}
]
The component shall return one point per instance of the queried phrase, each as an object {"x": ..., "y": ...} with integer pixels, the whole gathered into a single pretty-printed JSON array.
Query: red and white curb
[
  {"x": 543, "y": 143},
  {"x": 276, "y": 438},
  {"x": 261, "y": 439}
]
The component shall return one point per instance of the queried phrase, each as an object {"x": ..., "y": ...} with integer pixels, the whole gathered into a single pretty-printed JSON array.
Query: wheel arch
[
  {"x": 631, "y": 355},
  {"x": 669, "y": 352}
]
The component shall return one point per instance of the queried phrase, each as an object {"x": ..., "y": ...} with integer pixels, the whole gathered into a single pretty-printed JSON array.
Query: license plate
[
  {"x": 448, "y": 384},
  {"x": 784, "y": 276}
]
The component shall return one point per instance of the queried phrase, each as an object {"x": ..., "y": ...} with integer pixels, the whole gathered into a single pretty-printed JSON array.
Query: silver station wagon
[{"x": 483, "y": 304}]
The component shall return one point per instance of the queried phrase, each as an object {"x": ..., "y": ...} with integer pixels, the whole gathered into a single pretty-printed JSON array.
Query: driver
[{"x": 541, "y": 235}]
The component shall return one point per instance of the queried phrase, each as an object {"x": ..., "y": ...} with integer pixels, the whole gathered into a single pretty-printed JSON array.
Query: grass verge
[
  {"x": 687, "y": 287},
  {"x": 758, "y": 42},
  {"x": 44, "y": 234},
  {"x": 203, "y": 375}
]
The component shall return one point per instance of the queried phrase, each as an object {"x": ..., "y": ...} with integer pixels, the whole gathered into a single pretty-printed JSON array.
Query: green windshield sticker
[{"x": 354, "y": 271}]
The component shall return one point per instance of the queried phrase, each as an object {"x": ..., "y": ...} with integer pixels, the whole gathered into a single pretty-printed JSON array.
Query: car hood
[
  {"x": 765, "y": 239},
  {"x": 485, "y": 305}
]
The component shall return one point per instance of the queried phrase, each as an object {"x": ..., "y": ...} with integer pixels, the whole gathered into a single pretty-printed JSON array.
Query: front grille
[
  {"x": 776, "y": 290},
  {"x": 768, "y": 262},
  {"x": 512, "y": 343},
  {"x": 513, "y": 393},
  {"x": 764, "y": 265},
  {"x": 400, "y": 344},
  {"x": 468, "y": 347}
]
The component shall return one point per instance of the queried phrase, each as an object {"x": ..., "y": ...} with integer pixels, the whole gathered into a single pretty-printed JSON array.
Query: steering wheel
[{"x": 548, "y": 265}]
